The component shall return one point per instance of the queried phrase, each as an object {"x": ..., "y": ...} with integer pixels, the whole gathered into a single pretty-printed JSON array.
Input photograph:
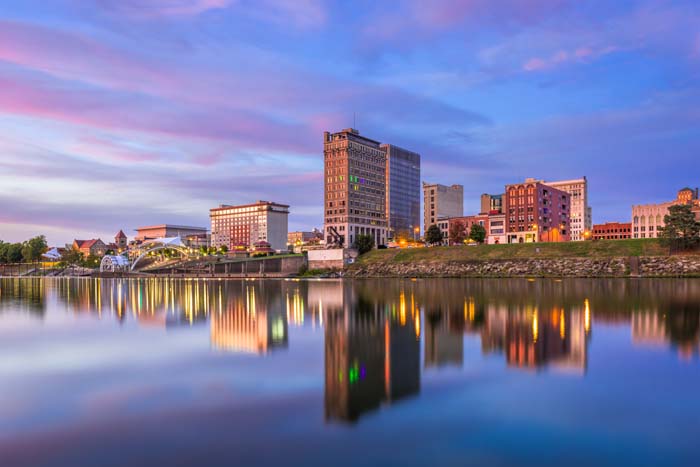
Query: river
[{"x": 341, "y": 372}]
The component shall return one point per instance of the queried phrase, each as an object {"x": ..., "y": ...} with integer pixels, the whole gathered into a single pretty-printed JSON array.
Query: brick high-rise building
[
  {"x": 354, "y": 188},
  {"x": 402, "y": 192},
  {"x": 441, "y": 202},
  {"x": 581, "y": 213},
  {"x": 536, "y": 212}
]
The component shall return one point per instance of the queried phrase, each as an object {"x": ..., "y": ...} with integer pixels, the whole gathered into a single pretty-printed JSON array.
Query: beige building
[
  {"x": 441, "y": 202},
  {"x": 248, "y": 224},
  {"x": 581, "y": 218},
  {"x": 167, "y": 230},
  {"x": 354, "y": 188},
  {"x": 496, "y": 233},
  {"x": 647, "y": 219}
]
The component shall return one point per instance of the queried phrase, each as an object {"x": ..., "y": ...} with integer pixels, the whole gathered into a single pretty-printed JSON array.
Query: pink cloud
[
  {"x": 299, "y": 13},
  {"x": 563, "y": 57},
  {"x": 407, "y": 23},
  {"x": 36, "y": 97},
  {"x": 534, "y": 64},
  {"x": 159, "y": 8}
]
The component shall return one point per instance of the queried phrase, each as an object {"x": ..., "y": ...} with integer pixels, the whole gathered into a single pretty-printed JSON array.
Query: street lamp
[{"x": 416, "y": 231}]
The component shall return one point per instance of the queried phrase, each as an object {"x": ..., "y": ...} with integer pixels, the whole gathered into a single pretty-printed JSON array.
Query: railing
[{"x": 26, "y": 269}]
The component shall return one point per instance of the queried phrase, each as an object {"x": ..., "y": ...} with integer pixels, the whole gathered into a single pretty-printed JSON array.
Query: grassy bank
[{"x": 590, "y": 249}]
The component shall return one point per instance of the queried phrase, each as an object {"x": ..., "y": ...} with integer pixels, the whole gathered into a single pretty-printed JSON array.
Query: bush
[
  {"x": 433, "y": 235},
  {"x": 363, "y": 243},
  {"x": 477, "y": 233},
  {"x": 303, "y": 269}
]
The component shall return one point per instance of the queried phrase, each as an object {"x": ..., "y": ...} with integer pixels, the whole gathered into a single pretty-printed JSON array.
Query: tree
[
  {"x": 682, "y": 230},
  {"x": 223, "y": 249},
  {"x": 91, "y": 261},
  {"x": 457, "y": 232},
  {"x": 11, "y": 253},
  {"x": 70, "y": 257},
  {"x": 33, "y": 248},
  {"x": 477, "y": 233},
  {"x": 363, "y": 243},
  {"x": 433, "y": 235}
]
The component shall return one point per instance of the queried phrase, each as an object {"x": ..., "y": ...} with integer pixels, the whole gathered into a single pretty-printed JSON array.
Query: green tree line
[{"x": 23, "y": 252}]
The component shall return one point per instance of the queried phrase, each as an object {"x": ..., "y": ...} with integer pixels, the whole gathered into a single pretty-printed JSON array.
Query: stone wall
[{"x": 551, "y": 267}]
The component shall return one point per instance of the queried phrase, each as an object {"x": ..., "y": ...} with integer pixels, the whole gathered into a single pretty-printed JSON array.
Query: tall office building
[
  {"x": 440, "y": 201},
  {"x": 581, "y": 216},
  {"x": 355, "y": 188},
  {"x": 402, "y": 192},
  {"x": 248, "y": 224}
]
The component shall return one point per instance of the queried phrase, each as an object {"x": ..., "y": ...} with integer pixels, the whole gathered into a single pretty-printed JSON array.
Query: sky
[{"x": 120, "y": 113}]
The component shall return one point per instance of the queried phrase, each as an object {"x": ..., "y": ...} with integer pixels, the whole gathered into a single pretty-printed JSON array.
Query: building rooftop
[
  {"x": 258, "y": 203},
  {"x": 170, "y": 226}
]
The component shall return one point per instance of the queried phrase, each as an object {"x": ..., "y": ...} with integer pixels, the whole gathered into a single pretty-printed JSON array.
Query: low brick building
[
  {"x": 612, "y": 231},
  {"x": 94, "y": 247}
]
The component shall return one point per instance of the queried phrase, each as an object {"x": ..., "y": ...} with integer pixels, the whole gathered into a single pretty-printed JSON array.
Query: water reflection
[
  {"x": 372, "y": 350},
  {"x": 26, "y": 296},
  {"x": 373, "y": 330}
]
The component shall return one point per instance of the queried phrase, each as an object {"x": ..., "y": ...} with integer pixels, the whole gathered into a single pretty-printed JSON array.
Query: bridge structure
[{"x": 136, "y": 254}]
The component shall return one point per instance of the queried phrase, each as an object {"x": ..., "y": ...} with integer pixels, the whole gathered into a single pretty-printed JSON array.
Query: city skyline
[{"x": 120, "y": 114}]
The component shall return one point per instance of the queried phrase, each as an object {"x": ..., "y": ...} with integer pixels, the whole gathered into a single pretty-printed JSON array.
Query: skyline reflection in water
[{"x": 380, "y": 340}]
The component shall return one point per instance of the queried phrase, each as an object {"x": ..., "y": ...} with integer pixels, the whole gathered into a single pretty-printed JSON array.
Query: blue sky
[{"x": 115, "y": 114}]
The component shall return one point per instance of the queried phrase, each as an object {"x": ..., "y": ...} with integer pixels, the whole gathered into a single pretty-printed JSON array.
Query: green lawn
[{"x": 597, "y": 249}]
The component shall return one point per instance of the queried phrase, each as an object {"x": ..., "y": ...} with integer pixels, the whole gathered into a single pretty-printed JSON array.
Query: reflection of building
[
  {"x": 531, "y": 337},
  {"x": 402, "y": 191},
  {"x": 370, "y": 357},
  {"x": 678, "y": 325},
  {"x": 443, "y": 346},
  {"x": 26, "y": 295},
  {"x": 248, "y": 324},
  {"x": 648, "y": 328},
  {"x": 249, "y": 224}
]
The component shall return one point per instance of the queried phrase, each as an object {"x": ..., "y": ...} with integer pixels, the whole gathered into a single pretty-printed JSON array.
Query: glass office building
[{"x": 402, "y": 192}]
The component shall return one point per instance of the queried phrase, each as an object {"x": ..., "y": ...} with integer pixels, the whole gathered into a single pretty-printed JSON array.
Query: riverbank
[{"x": 623, "y": 258}]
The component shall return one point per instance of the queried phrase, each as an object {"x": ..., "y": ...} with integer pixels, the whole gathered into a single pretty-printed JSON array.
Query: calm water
[{"x": 427, "y": 372}]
